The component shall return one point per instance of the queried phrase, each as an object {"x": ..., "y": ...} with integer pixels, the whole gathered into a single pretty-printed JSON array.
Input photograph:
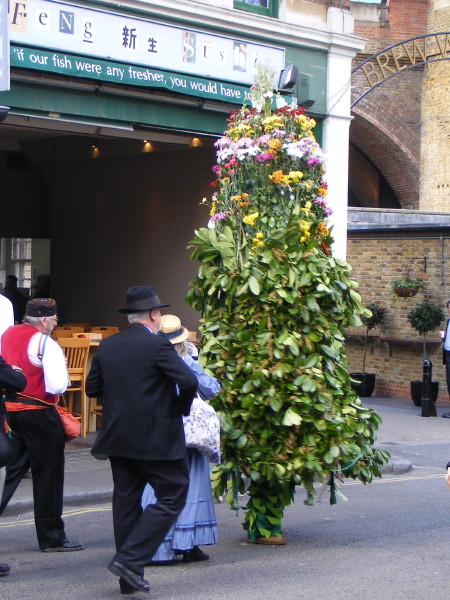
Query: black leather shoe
[
  {"x": 4, "y": 569},
  {"x": 126, "y": 588},
  {"x": 66, "y": 546},
  {"x": 133, "y": 579},
  {"x": 196, "y": 554}
]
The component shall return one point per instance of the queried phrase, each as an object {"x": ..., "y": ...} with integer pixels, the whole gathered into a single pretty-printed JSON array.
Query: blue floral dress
[{"x": 196, "y": 524}]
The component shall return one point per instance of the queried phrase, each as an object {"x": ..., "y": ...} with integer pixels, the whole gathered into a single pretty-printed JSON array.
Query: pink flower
[{"x": 265, "y": 156}]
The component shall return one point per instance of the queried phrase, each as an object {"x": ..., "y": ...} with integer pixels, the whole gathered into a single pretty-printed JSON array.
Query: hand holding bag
[{"x": 202, "y": 429}]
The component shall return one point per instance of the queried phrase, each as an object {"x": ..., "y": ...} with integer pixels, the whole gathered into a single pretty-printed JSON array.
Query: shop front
[{"x": 108, "y": 139}]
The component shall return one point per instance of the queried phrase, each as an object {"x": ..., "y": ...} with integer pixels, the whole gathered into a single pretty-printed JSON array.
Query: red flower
[{"x": 325, "y": 249}]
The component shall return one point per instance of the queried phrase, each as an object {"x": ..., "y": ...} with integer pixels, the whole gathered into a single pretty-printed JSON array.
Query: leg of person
[
  {"x": 170, "y": 481},
  {"x": 4, "y": 568},
  {"x": 447, "y": 370},
  {"x": 45, "y": 441},
  {"x": 19, "y": 464},
  {"x": 126, "y": 507}
]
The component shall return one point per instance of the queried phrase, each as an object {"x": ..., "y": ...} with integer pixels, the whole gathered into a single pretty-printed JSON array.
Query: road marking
[
  {"x": 395, "y": 479},
  {"x": 67, "y": 513}
]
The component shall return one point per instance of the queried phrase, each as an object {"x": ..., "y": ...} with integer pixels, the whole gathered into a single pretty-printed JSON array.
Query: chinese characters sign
[{"x": 116, "y": 37}]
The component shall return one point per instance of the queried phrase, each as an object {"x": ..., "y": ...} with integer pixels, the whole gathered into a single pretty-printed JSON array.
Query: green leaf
[
  {"x": 291, "y": 418},
  {"x": 254, "y": 286}
]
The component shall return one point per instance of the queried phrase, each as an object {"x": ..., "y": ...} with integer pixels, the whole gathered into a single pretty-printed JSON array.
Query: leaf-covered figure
[{"x": 275, "y": 305}]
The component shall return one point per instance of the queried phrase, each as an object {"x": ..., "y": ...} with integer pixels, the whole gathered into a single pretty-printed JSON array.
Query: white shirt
[
  {"x": 53, "y": 362},
  {"x": 6, "y": 315}
]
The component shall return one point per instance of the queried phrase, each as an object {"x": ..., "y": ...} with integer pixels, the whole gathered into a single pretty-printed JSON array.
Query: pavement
[{"x": 88, "y": 480}]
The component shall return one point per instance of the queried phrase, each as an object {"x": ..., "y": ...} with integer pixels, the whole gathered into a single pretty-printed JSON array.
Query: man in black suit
[
  {"x": 146, "y": 388},
  {"x": 13, "y": 380}
]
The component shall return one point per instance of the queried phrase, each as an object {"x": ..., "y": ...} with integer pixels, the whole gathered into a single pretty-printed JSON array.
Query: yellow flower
[
  {"x": 272, "y": 122},
  {"x": 279, "y": 177},
  {"x": 322, "y": 191},
  {"x": 250, "y": 219},
  {"x": 304, "y": 228},
  {"x": 257, "y": 239},
  {"x": 241, "y": 130},
  {"x": 274, "y": 144},
  {"x": 295, "y": 176},
  {"x": 307, "y": 207},
  {"x": 213, "y": 208}
]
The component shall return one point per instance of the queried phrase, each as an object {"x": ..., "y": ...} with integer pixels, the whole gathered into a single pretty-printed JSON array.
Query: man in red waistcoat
[{"x": 38, "y": 439}]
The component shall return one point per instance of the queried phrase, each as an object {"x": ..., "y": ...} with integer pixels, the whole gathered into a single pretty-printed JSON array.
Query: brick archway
[{"x": 385, "y": 148}]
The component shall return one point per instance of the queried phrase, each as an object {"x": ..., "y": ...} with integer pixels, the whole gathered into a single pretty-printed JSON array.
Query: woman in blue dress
[{"x": 196, "y": 525}]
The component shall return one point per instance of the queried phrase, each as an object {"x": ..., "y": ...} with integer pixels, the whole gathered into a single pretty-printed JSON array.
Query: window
[
  {"x": 21, "y": 261},
  {"x": 261, "y": 7}
]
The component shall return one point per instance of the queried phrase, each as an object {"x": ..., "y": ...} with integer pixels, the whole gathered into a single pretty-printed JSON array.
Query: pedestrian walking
[
  {"x": 37, "y": 436},
  {"x": 146, "y": 388},
  {"x": 196, "y": 525},
  {"x": 13, "y": 380}
]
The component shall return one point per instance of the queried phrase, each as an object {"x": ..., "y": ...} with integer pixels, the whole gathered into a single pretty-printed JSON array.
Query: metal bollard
[{"x": 428, "y": 406}]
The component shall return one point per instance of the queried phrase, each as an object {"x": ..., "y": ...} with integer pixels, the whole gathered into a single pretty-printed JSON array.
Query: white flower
[{"x": 280, "y": 101}]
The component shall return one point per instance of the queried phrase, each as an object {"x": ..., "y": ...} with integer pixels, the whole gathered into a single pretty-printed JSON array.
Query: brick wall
[
  {"x": 377, "y": 259},
  {"x": 387, "y": 123},
  {"x": 407, "y": 18},
  {"x": 435, "y": 148}
]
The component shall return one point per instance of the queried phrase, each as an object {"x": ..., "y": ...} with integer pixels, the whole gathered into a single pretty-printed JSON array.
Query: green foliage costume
[{"x": 275, "y": 305}]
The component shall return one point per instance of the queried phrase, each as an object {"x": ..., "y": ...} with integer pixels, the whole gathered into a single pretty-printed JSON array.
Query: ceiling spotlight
[{"x": 195, "y": 142}]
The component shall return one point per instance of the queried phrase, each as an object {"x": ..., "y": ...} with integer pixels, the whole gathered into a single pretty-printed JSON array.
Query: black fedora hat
[{"x": 141, "y": 298}]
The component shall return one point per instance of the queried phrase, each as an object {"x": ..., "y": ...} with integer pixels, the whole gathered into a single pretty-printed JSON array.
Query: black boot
[{"x": 194, "y": 555}]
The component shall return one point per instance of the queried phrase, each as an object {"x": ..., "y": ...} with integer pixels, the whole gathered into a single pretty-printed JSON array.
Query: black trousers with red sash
[{"x": 38, "y": 443}]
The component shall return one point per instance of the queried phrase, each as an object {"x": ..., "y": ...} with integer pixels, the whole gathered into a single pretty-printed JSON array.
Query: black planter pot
[
  {"x": 416, "y": 392},
  {"x": 366, "y": 384}
]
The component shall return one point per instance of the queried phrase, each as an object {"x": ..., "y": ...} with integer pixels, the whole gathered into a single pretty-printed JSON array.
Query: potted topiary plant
[
  {"x": 366, "y": 381},
  {"x": 425, "y": 318}
]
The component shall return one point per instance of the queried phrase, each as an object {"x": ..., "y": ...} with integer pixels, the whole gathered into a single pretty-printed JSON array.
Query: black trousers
[
  {"x": 447, "y": 368},
  {"x": 137, "y": 532},
  {"x": 38, "y": 442}
]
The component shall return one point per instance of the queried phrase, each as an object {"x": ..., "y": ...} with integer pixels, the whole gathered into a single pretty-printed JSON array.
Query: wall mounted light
[
  {"x": 147, "y": 146},
  {"x": 95, "y": 152},
  {"x": 195, "y": 142}
]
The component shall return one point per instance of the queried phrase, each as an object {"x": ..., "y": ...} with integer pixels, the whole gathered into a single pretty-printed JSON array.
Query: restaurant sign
[
  {"x": 115, "y": 72},
  {"x": 78, "y": 30},
  {"x": 4, "y": 46}
]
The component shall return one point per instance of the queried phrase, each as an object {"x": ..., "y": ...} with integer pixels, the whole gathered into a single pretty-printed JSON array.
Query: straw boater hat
[
  {"x": 141, "y": 298},
  {"x": 173, "y": 330}
]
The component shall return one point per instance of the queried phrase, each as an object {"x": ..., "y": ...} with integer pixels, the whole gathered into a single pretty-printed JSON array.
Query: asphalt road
[{"x": 389, "y": 540}]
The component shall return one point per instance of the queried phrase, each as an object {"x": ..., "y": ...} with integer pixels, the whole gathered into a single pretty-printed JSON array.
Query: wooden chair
[
  {"x": 192, "y": 339},
  {"x": 105, "y": 331},
  {"x": 94, "y": 409},
  {"x": 92, "y": 336},
  {"x": 76, "y": 351},
  {"x": 60, "y": 332},
  {"x": 84, "y": 326}
]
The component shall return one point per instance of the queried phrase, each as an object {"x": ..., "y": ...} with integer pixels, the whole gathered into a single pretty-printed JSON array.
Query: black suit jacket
[{"x": 136, "y": 374}]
